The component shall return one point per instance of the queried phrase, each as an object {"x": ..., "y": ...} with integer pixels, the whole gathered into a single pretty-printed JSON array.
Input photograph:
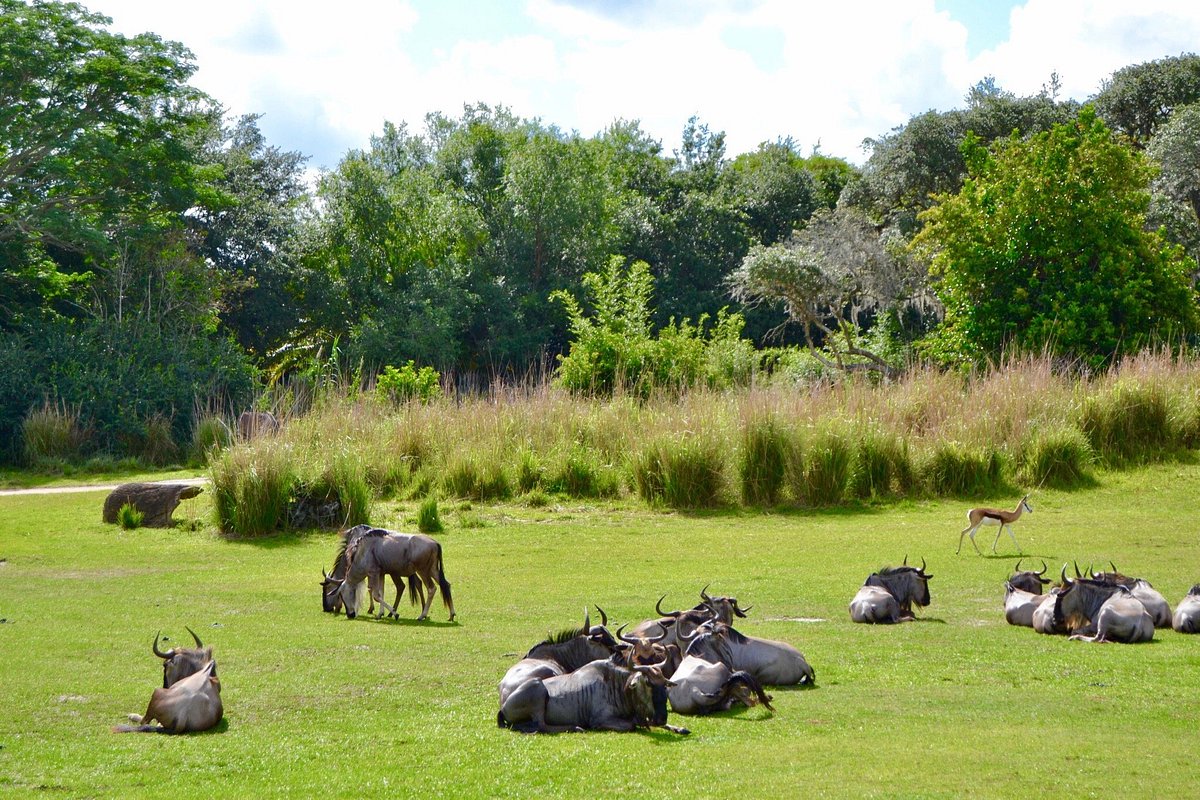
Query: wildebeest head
[
  {"x": 710, "y": 642},
  {"x": 180, "y": 662},
  {"x": 722, "y": 608},
  {"x": 1194, "y": 591},
  {"x": 1078, "y": 601},
  {"x": 1114, "y": 578},
  {"x": 646, "y": 690},
  {"x": 642, "y": 649},
  {"x": 909, "y": 585},
  {"x": 1029, "y": 580}
]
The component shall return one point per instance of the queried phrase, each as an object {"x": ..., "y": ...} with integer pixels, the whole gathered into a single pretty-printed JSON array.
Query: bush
[
  {"x": 252, "y": 488},
  {"x": 582, "y": 473},
  {"x": 428, "y": 520},
  {"x": 762, "y": 462},
  {"x": 348, "y": 482},
  {"x": 826, "y": 470},
  {"x": 1059, "y": 458},
  {"x": 210, "y": 435},
  {"x": 1129, "y": 422},
  {"x": 408, "y": 383},
  {"x": 129, "y": 517},
  {"x": 955, "y": 470},
  {"x": 157, "y": 448},
  {"x": 881, "y": 466},
  {"x": 681, "y": 472},
  {"x": 466, "y": 477},
  {"x": 529, "y": 471},
  {"x": 52, "y": 433}
]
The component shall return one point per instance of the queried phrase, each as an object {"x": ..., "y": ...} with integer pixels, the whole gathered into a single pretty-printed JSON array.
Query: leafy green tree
[
  {"x": 94, "y": 136},
  {"x": 1139, "y": 98},
  {"x": 1175, "y": 206},
  {"x": 774, "y": 188},
  {"x": 1045, "y": 246}
]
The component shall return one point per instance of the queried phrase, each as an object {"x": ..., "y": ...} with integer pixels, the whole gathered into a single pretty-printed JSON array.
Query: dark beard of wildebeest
[
  {"x": 331, "y": 599},
  {"x": 562, "y": 653},
  {"x": 705, "y": 681},
  {"x": 599, "y": 695},
  {"x": 180, "y": 662},
  {"x": 380, "y": 552},
  {"x": 1187, "y": 613},
  {"x": 1029, "y": 580},
  {"x": 887, "y": 596},
  {"x": 1151, "y": 598},
  {"x": 1101, "y": 612},
  {"x": 190, "y": 703},
  {"x": 672, "y": 623}
]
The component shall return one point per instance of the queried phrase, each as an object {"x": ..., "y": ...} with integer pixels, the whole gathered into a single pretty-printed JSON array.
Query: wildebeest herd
[{"x": 695, "y": 661}]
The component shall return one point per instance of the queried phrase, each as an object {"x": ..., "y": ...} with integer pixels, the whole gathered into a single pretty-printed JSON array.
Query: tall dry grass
[{"x": 1016, "y": 426}]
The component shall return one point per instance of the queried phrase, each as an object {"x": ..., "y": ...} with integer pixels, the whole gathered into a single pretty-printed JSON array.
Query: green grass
[{"x": 957, "y": 704}]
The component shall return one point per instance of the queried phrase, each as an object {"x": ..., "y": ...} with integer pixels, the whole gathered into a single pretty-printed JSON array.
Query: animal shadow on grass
[
  {"x": 220, "y": 727},
  {"x": 1010, "y": 557},
  {"x": 938, "y": 620},
  {"x": 408, "y": 621}
]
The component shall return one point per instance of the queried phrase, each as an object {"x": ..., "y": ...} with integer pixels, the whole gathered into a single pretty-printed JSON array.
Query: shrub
[
  {"x": 582, "y": 473},
  {"x": 157, "y": 448},
  {"x": 881, "y": 465},
  {"x": 428, "y": 520},
  {"x": 210, "y": 435},
  {"x": 955, "y": 470},
  {"x": 1059, "y": 457},
  {"x": 529, "y": 470},
  {"x": 681, "y": 472},
  {"x": 52, "y": 433},
  {"x": 466, "y": 477},
  {"x": 826, "y": 470},
  {"x": 762, "y": 462},
  {"x": 252, "y": 488},
  {"x": 129, "y": 517},
  {"x": 1129, "y": 422},
  {"x": 408, "y": 383},
  {"x": 536, "y": 499},
  {"x": 348, "y": 482}
]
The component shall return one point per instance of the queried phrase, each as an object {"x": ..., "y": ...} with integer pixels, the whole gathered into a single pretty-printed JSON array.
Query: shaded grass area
[{"x": 956, "y": 704}]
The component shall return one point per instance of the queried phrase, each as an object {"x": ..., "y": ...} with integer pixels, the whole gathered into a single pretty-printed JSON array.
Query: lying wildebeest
[
  {"x": 643, "y": 650},
  {"x": 672, "y": 623},
  {"x": 331, "y": 600},
  {"x": 380, "y": 552},
  {"x": 1029, "y": 580},
  {"x": 1043, "y": 615},
  {"x": 255, "y": 423},
  {"x": 706, "y": 682},
  {"x": 1101, "y": 612},
  {"x": 190, "y": 701},
  {"x": 1187, "y": 613},
  {"x": 888, "y": 595},
  {"x": 1020, "y": 605},
  {"x": 771, "y": 663},
  {"x": 1151, "y": 598},
  {"x": 561, "y": 654},
  {"x": 597, "y": 696}
]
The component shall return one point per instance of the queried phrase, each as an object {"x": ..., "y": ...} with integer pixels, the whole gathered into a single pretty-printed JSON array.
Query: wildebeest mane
[
  {"x": 562, "y": 637},
  {"x": 1195, "y": 590},
  {"x": 1091, "y": 595}
]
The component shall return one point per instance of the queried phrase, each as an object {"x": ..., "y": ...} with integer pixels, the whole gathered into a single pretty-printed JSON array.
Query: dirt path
[{"x": 92, "y": 487}]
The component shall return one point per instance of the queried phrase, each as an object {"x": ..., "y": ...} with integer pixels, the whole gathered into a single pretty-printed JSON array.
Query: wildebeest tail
[
  {"x": 501, "y": 722},
  {"x": 751, "y": 683},
  {"x": 139, "y": 729},
  {"x": 444, "y": 584}
]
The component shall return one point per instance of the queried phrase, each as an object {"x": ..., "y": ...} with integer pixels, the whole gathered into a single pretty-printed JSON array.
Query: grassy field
[{"x": 956, "y": 704}]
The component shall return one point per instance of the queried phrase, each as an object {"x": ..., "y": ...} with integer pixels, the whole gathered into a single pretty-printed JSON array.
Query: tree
[
  {"x": 1045, "y": 246},
  {"x": 1175, "y": 205},
  {"x": 775, "y": 190},
  {"x": 1137, "y": 99},
  {"x": 833, "y": 278},
  {"x": 94, "y": 134}
]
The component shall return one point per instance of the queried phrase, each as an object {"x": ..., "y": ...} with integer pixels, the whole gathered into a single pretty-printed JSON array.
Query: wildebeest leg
[
  {"x": 375, "y": 586},
  {"x": 399, "y": 583},
  {"x": 430, "y": 588}
]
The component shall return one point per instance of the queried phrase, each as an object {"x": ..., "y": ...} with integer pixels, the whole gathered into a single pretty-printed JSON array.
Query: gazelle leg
[
  {"x": 1014, "y": 538},
  {"x": 998, "y": 534},
  {"x": 961, "y": 535}
]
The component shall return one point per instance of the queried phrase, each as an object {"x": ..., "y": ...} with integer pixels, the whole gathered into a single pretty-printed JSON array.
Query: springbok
[{"x": 993, "y": 516}]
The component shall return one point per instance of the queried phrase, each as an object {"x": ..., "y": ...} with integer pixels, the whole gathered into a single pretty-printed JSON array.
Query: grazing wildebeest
[
  {"x": 561, "y": 654},
  {"x": 380, "y": 552},
  {"x": 189, "y": 701},
  {"x": 1187, "y": 613},
  {"x": 673, "y": 623},
  {"x": 1020, "y": 605},
  {"x": 331, "y": 600},
  {"x": 1101, "y": 612},
  {"x": 598, "y": 696},
  {"x": 1029, "y": 580},
  {"x": 1151, "y": 598},
  {"x": 180, "y": 662},
  {"x": 993, "y": 516},
  {"x": 706, "y": 682},
  {"x": 255, "y": 423},
  {"x": 888, "y": 595}
]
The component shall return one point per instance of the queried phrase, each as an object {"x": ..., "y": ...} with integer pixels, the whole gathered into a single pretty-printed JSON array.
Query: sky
[{"x": 325, "y": 77}]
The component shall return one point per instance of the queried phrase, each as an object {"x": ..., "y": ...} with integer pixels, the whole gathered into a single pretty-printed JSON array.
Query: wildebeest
[
  {"x": 771, "y": 663},
  {"x": 1020, "y": 605},
  {"x": 1029, "y": 580},
  {"x": 706, "y": 682},
  {"x": 188, "y": 702},
  {"x": 1043, "y": 615},
  {"x": 1187, "y": 613},
  {"x": 1151, "y": 598},
  {"x": 331, "y": 600},
  {"x": 1101, "y": 612},
  {"x": 560, "y": 654},
  {"x": 675, "y": 623},
  {"x": 888, "y": 595},
  {"x": 380, "y": 552},
  {"x": 993, "y": 516},
  {"x": 643, "y": 650},
  {"x": 254, "y": 423},
  {"x": 598, "y": 696}
]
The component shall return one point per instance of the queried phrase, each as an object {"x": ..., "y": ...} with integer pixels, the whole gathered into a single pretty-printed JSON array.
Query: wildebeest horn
[
  {"x": 158, "y": 652},
  {"x": 1043, "y": 572},
  {"x": 194, "y": 636},
  {"x": 658, "y": 607},
  {"x": 704, "y": 594},
  {"x": 1017, "y": 568},
  {"x": 587, "y": 621},
  {"x": 922, "y": 564},
  {"x": 1114, "y": 567},
  {"x": 905, "y": 564},
  {"x": 622, "y": 636},
  {"x": 1065, "y": 579},
  {"x": 603, "y": 616},
  {"x": 650, "y": 667},
  {"x": 679, "y": 634},
  {"x": 1076, "y": 563},
  {"x": 741, "y": 612}
]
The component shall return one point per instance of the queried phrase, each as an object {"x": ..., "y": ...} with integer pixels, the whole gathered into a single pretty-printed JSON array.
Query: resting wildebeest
[
  {"x": 1028, "y": 581},
  {"x": 598, "y": 696},
  {"x": 771, "y": 663},
  {"x": 888, "y": 595},
  {"x": 1020, "y": 605},
  {"x": 331, "y": 600},
  {"x": 643, "y": 650},
  {"x": 254, "y": 423},
  {"x": 673, "y": 623},
  {"x": 1151, "y": 598},
  {"x": 380, "y": 552},
  {"x": 1101, "y": 612},
  {"x": 190, "y": 701},
  {"x": 1043, "y": 615},
  {"x": 706, "y": 681},
  {"x": 561, "y": 654},
  {"x": 1187, "y": 613}
]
